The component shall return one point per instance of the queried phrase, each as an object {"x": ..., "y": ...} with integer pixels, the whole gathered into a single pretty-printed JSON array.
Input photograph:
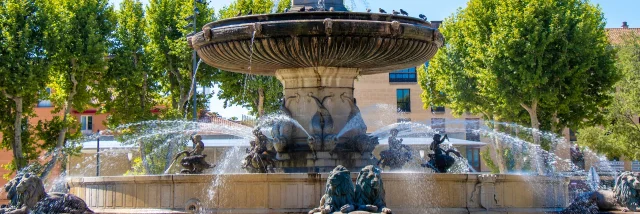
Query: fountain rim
[{"x": 315, "y": 15}]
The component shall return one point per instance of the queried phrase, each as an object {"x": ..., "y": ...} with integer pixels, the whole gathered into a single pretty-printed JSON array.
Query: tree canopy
[
  {"x": 619, "y": 134},
  {"x": 258, "y": 93},
  {"x": 544, "y": 63},
  {"x": 24, "y": 71},
  {"x": 167, "y": 29},
  {"x": 550, "y": 60}
]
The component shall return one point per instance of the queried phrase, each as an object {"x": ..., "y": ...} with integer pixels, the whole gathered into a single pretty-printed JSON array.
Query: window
[
  {"x": 572, "y": 136},
  {"x": 45, "y": 103},
  {"x": 473, "y": 157},
  {"x": 86, "y": 123},
  {"x": 471, "y": 126},
  {"x": 404, "y": 100},
  {"x": 438, "y": 125},
  {"x": 437, "y": 109},
  {"x": 404, "y": 75}
]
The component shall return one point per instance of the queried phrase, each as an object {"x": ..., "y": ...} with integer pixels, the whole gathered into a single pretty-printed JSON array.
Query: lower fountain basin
[{"x": 298, "y": 193}]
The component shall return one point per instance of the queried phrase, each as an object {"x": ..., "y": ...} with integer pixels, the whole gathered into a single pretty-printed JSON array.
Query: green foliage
[
  {"x": 252, "y": 88},
  {"x": 171, "y": 56},
  {"x": 619, "y": 134},
  {"x": 82, "y": 36},
  {"x": 510, "y": 160},
  {"x": 486, "y": 157},
  {"x": 137, "y": 167},
  {"x": 129, "y": 88},
  {"x": 524, "y": 61},
  {"x": 24, "y": 50}
]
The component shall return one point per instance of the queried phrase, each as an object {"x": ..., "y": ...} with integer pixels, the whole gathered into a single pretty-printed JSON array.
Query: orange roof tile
[{"x": 616, "y": 35}]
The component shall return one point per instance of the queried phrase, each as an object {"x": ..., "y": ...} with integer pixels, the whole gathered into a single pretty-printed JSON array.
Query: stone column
[
  {"x": 488, "y": 198},
  {"x": 325, "y": 83}
]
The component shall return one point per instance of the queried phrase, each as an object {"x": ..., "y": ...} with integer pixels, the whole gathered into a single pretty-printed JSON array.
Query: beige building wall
[{"x": 376, "y": 97}]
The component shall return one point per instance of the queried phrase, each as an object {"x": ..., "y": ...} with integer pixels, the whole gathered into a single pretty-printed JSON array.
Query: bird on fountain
[
  {"x": 423, "y": 17},
  {"x": 312, "y": 9},
  {"x": 286, "y": 10},
  {"x": 331, "y": 9},
  {"x": 395, "y": 12},
  {"x": 239, "y": 13},
  {"x": 302, "y": 9},
  {"x": 381, "y": 10},
  {"x": 368, "y": 10},
  {"x": 404, "y": 12},
  {"x": 250, "y": 12}
]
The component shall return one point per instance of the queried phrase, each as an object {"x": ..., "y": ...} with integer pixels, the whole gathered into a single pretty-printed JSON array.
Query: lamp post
[{"x": 98, "y": 154}]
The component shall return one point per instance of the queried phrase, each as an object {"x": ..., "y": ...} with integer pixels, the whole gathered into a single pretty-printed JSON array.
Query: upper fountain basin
[{"x": 372, "y": 42}]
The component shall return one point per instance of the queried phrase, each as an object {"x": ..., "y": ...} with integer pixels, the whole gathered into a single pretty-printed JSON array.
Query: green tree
[
  {"x": 170, "y": 54},
  {"x": 620, "y": 133},
  {"x": 545, "y": 63},
  {"x": 258, "y": 93},
  {"x": 128, "y": 89},
  {"x": 540, "y": 57},
  {"x": 82, "y": 33},
  {"x": 24, "y": 71}
]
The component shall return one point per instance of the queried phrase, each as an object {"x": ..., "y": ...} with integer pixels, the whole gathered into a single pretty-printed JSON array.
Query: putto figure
[
  {"x": 440, "y": 161},
  {"x": 397, "y": 155},
  {"x": 194, "y": 162},
  {"x": 259, "y": 158},
  {"x": 577, "y": 157}
]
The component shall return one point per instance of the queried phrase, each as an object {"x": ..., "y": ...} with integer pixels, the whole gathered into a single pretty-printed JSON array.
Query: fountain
[{"x": 317, "y": 55}]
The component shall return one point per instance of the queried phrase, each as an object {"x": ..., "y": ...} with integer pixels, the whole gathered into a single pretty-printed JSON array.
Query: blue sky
[{"x": 615, "y": 12}]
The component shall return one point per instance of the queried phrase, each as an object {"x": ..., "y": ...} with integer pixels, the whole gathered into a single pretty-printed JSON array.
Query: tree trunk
[
  {"x": 498, "y": 150},
  {"x": 260, "y": 102},
  {"x": 17, "y": 138},
  {"x": 533, "y": 115}
]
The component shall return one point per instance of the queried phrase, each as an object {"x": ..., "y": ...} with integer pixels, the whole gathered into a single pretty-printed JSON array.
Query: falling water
[
  {"x": 266, "y": 123},
  {"x": 593, "y": 180},
  {"x": 193, "y": 88},
  {"x": 253, "y": 37}
]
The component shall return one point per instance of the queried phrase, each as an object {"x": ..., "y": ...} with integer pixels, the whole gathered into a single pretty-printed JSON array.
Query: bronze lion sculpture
[
  {"x": 624, "y": 196},
  {"x": 370, "y": 191},
  {"x": 33, "y": 199},
  {"x": 339, "y": 195}
]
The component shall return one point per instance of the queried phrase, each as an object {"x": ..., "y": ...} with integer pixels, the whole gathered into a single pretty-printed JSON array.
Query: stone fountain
[{"x": 317, "y": 56}]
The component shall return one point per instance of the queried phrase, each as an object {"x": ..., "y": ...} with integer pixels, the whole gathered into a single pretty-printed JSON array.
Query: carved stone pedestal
[{"x": 320, "y": 99}]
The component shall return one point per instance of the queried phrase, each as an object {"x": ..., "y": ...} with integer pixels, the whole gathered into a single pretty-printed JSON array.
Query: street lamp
[{"x": 194, "y": 56}]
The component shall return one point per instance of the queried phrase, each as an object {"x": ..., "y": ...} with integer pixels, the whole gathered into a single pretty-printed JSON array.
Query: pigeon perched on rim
[
  {"x": 404, "y": 12},
  {"x": 331, "y": 9},
  {"x": 395, "y": 12},
  {"x": 302, "y": 9},
  {"x": 423, "y": 17},
  {"x": 312, "y": 9},
  {"x": 239, "y": 13},
  {"x": 381, "y": 10},
  {"x": 286, "y": 10},
  {"x": 250, "y": 12},
  {"x": 368, "y": 10}
]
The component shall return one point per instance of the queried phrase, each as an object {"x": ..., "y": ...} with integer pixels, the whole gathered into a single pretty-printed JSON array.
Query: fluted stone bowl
[{"x": 373, "y": 42}]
